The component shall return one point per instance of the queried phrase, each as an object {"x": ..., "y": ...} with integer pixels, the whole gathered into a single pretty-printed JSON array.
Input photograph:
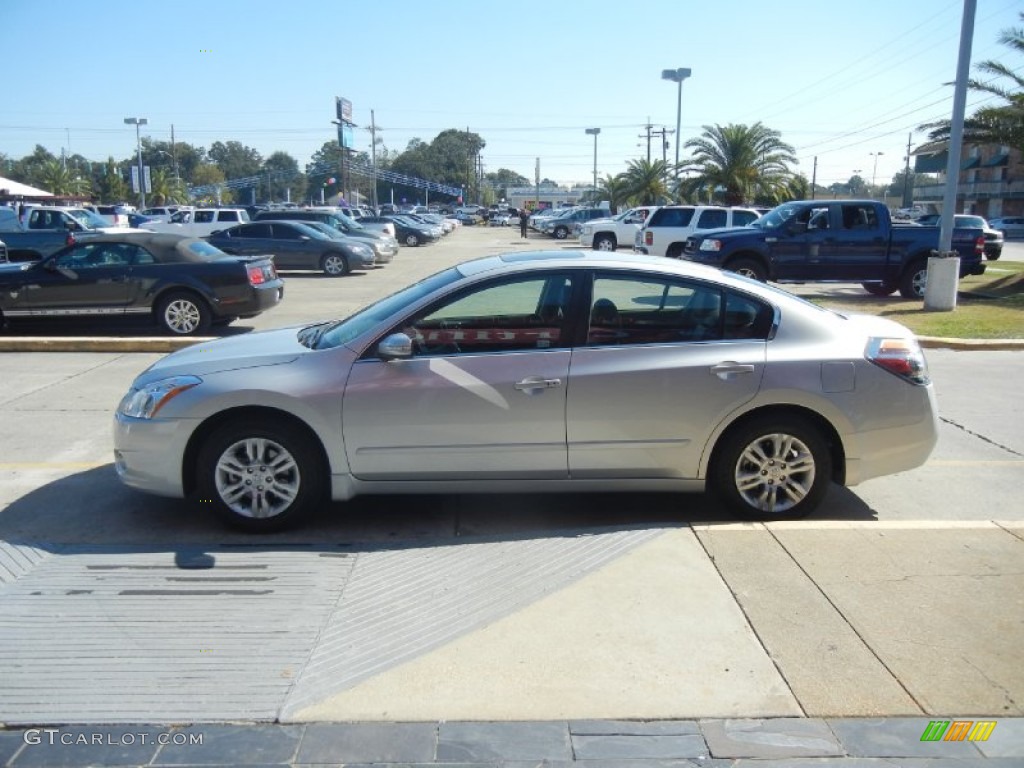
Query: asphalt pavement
[{"x": 611, "y": 629}]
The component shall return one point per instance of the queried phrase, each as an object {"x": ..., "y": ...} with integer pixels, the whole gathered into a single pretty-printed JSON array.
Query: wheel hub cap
[
  {"x": 257, "y": 477},
  {"x": 774, "y": 473}
]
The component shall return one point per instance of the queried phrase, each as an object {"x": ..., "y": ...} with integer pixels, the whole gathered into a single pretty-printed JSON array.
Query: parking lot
[{"x": 899, "y": 597}]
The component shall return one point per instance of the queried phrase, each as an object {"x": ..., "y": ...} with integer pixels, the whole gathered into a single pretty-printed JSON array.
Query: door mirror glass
[{"x": 397, "y": 346}]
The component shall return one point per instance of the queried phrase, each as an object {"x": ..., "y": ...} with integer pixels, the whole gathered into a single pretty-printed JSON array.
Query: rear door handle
[{"x": 727, "y": 371}]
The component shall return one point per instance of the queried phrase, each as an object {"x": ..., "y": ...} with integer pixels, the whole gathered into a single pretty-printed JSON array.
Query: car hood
[
  {"x": 253, "y": 350},
  {"x": 726, "y": 233}
]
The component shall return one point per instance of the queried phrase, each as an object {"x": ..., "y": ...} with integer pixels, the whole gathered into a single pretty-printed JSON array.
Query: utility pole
[
  {"x": 373, "y": 156},
  {"x": 648, "y": 128},
  {"x": 907, "y": 201},
  {"x": 814, "y": 177},
  {"x": 664, "y": 133}
]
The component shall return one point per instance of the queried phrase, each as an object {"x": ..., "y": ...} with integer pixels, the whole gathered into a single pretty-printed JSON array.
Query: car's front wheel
[
  {"x": 334, "y": 265},
  {"x": 772, "y": 468},
  {"x": 561, "y": 233},
  {"x": 412, "y": 240},
  {"x": 258, "y": 476},
  {"x": 182, "y": 313},
  {"x": 748, "y": 268}
]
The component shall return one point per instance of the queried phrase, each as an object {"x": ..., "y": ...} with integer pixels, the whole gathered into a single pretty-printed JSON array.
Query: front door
[
  {"x": 483, "y": 395},
  {"x": 88, "y": 279}
]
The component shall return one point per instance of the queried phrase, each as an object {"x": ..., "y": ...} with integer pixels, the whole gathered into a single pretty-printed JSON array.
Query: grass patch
[{"x": 989, "y": 306}]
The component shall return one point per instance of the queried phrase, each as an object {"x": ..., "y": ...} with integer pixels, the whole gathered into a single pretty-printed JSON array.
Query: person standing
[{"x": 524, "y": 222}]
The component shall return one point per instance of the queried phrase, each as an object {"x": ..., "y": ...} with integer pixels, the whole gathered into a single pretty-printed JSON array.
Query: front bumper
[{"x": 148, "y": 453}]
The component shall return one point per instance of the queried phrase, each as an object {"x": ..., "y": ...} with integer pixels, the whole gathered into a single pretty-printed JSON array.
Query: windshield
[
  {"x": 326, "y": 229},
  {"x": 350, "y": 222},
  {"x": 305, "y": 228},
  {"x": 344, "y": 331},
  {"x": 87, "y": 219},
  {"x": 776, "y": 217}
]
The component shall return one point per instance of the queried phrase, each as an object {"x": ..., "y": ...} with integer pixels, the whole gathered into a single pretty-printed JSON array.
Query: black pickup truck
[{"x": 834, "y": 241}]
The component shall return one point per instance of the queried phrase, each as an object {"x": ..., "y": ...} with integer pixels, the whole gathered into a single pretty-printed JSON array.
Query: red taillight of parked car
[
  {"x": 979, "y": 245},
  {"x": 70, "y": 239},
  {"x": 902, "y": 357},
  {"x": 648, "y": 237},
  {"x": 256, "y": 276}
]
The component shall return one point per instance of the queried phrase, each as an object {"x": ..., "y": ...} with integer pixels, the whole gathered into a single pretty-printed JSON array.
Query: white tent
[{"x": 11, "y": 188}]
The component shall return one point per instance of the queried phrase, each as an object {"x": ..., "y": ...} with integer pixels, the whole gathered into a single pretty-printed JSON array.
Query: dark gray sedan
[{"x": 294, "y": 245}]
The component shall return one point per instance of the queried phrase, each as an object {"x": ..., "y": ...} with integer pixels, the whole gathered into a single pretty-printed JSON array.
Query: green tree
[
  {"x": 112, "y": 186},
  {"x": 55, "y": 177},
  {"x": 799, "y": 188},
  {"x": 30, "y": 166},
  {"x": 165, "y": 188},
  {"x": 614, "y": 189},
  {"x": 742, "y": 162},
  {"x": 645, "y": 181},
  {"x": 235, "y": 160},
  {"x": 1003, "y": 123},
  {"x": 209, "y": 178},
  {"x": 282, "y": 178}
]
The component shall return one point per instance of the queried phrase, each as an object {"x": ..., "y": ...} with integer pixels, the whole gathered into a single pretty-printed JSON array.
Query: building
[{"x": 990, "y": 184}]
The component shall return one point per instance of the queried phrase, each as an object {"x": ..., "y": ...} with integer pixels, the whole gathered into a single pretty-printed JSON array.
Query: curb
[{"x": 170, "y": 344}]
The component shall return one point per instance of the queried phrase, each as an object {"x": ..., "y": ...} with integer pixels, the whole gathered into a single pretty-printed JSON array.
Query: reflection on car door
[
  {"x": 665, "y": 361},
  {"x": 483, "y": 396},
  {"x": 90, "y": 278}
]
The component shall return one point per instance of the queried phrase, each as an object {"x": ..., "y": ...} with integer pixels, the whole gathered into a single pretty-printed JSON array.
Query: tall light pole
[
  {"x": 138, "y": 121},
  {"x": 594, "y": 132},
  {"x": 677, "y": 76},
  {"x": 874, "y": 170}
]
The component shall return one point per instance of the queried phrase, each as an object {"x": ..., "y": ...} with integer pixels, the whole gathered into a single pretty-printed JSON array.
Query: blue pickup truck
[
  {"x": 812, "y": 241},
  {"x": 46, "y": 229}
]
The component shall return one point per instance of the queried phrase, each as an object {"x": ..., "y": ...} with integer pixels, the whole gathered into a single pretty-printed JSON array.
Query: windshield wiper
[{"x": 310, "y": 335}]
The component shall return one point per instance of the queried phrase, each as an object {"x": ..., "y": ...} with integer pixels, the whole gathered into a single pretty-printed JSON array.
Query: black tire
[
  {"x": 229, "y": 467},
  {"x": 994, "y": 256},
  {"x": 674, "y": 251},
  {"x": 412, "y": 240},
  {"x": 912, "y": 282},
  {"x": 748, "y": 268},
  {"x": 334, "y": 264},
  {"x": 879, "y": 289},
  {"x": 183, "y": 313},
  {"x": 605, "y": 242},
  {"x": 561, "y": 233},
  {"x": 757, "y": 460}
]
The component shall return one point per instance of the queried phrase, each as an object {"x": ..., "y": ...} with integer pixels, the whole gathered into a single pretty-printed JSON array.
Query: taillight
[
  {"x": 256, "y": 276},
  {"x": 979, "y": 245},
  {"x": 70, "y": 239},
  {"x": 648, "y": 237},
  {"x": 902, "y": 357}
]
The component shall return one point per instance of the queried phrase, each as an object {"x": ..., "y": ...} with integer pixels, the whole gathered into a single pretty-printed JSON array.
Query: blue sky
[{"x": 839, "y": 80}]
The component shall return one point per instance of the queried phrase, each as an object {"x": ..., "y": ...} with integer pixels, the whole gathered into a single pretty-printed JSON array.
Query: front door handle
[
  {"x": 728, "y": 371},
  {"x": 537, "y": 384}
]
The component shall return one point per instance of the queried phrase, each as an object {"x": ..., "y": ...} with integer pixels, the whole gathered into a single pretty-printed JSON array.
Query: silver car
[{"x": 548, "y": 371}]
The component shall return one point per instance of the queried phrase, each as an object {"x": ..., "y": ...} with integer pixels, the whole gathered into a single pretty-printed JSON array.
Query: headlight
[
  {"x": 144, "y": 403},
  {"x": 711, "y": 245},
  {"x": 361, "y": 250}
]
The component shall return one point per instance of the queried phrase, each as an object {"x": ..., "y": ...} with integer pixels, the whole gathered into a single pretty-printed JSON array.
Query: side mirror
[{"x": 397, "y": 346}]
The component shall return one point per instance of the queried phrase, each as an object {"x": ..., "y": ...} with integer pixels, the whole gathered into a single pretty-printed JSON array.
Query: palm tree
[
  {"x": 166, "y": 189},
  {"x": 742, "y": 161},
  {"x": 1001, "y": 124},
  {"x": 614, "y": 189},
  {"x": 54, "y": 176},
  {"x": 645, "y": 181}
]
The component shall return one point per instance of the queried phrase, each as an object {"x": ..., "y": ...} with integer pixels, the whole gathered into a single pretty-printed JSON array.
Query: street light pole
[
  {"x": 139, "y": 121},
  {"x": 594, "y": 132},
  {"x": 677, "y": 76},
  {"x": 874, "y": 170}
]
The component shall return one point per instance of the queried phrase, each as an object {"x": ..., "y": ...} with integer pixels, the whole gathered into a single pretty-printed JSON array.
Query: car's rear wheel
[
  {"x": 879, "y": 289},
  {"x": 561, "y": 233},
  {"x": 604, "y": 243},
  {"x": 748, "y": 268},
  {"x": 258, "y": 476},
  {"x": 912, "y": 283},
  {"x": 334, "y": 265},
  {"x": 994, "y": 255},
  {"x": 183, "y": 313},
  {"x": 772, "y": 468},
  {"x": 412, "y": 240}
]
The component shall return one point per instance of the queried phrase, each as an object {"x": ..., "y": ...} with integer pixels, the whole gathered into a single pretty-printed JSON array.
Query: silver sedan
[{"x": 542, "y": 372}]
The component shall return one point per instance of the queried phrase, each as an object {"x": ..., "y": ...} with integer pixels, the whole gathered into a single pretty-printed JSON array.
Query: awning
[
  {"x": 1001, "y": 159},
  {"x": 970, "y": 162},
  {"x": 12, "y": 188}
]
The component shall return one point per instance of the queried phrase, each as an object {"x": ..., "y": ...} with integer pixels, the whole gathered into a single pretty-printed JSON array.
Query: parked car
[
  {"x": 733, "y": 384},
  {"x": 667, "y": 228},
  {"x": 295, "y": 246},
  {"x": 183, "y": 284},
  {"x": 610, "y": 233},
  {"x": 163, "y": 212},
  {"x": 1010, "y": 226},
  {"x": 114, "y": 215},
  {"x": 200, "y": 222},
  {"x": 562, "y": 226},
  {"x": 409, "y": 232},
  {"x": 384, "y": 246},
  {"x": 45, "y": 230},
  {"x": 994, "y": 237},
  {"x": 466, "y": 219}
]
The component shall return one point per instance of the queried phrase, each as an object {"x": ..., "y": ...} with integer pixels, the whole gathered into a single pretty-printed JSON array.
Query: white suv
[{"x": 666, "y": 230}]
